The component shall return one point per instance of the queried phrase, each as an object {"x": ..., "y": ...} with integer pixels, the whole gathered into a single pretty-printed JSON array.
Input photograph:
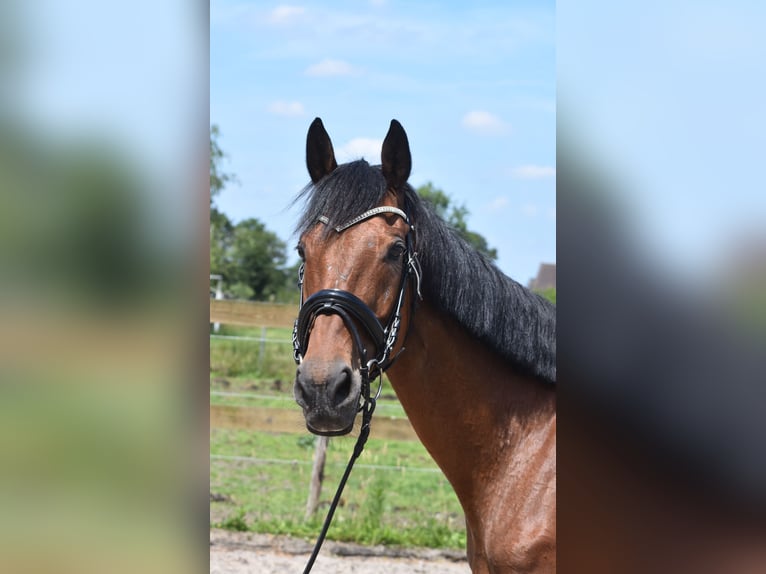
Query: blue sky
[
  {"x": 669, "y": 100},
  {"x": 473, "y": 84},
  {"x": 667, "y": 95}
]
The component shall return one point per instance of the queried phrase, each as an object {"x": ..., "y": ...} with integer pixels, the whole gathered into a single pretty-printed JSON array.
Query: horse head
[{"x": 356, "y": 261}]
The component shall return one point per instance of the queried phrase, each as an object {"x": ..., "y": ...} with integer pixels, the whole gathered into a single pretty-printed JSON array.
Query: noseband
[{"x": 355, "y": 313}]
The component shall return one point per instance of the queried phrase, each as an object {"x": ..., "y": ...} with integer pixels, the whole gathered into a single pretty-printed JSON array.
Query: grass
[
  {"x": 257, "y": 389},
  {"x": 412, "y": 506},
  {"x": 379, "y": 506},
  {"x": 237, "y": 358},
  {"x": 284, "y": 400},
  {"x": 236, "y": 522}
]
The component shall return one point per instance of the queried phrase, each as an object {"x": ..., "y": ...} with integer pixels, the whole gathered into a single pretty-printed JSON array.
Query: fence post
[
  {"x": 261, "y": 350},
  {"x": 317, "y": 475},
  {"x": 218, "y": 296}
]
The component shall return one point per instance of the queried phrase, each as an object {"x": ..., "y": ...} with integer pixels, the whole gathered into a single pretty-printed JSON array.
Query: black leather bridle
[{"x": 356, "y": 313}]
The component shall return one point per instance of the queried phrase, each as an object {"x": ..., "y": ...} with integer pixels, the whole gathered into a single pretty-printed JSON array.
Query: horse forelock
[{"x": 352, "y": 188}]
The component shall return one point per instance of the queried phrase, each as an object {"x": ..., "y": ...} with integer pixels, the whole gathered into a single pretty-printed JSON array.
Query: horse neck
[{"x": 473, "y": 413}]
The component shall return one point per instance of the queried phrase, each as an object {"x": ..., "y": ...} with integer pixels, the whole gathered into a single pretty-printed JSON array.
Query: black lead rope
[{"x": 364, "y": 432}]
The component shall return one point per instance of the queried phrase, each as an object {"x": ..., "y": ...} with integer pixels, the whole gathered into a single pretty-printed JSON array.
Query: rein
[{"x": 354, "y": 311}]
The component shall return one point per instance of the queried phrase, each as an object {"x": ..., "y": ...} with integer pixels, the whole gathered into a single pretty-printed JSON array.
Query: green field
[
  {"x": 259, "y": 481},
  {"x": 262, "y": 375},
  {"x": 409, "y": 506},
  {"x": 237, "y": 358}
]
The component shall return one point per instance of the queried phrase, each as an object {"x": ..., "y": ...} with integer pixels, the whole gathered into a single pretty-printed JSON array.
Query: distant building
[{"x": 546, "y": 277}]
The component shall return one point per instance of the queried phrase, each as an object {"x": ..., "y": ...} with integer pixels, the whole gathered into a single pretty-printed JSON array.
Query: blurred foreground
[
  {"x": 662, "y": 270},
  {"x": 102, "y": 439}
]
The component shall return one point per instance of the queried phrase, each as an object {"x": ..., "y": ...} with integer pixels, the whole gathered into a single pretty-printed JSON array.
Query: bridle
[{"x": 354, "y": 312}]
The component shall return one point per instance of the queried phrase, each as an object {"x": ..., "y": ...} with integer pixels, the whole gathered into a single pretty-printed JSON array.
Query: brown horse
[{"x": 477, "y": 378}]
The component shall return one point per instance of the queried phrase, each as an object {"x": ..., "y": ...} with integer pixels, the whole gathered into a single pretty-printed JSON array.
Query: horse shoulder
[{"x": 518, "y": 522}]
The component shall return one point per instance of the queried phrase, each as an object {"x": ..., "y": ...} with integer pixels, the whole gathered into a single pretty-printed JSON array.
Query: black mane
[{"x": 458, "y": 280}]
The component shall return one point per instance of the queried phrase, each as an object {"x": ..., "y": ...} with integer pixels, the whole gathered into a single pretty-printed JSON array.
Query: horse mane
[{"x": 458, "y": 280}]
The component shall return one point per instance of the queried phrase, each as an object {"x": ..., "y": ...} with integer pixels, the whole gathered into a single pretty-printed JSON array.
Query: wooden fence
[
  {"x": 253, "y": 314},
  {"x": 250, "y": 314}
]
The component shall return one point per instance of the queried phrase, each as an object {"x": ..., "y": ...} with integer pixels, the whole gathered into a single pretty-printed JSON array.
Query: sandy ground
[{"x": 244, "y": 552}]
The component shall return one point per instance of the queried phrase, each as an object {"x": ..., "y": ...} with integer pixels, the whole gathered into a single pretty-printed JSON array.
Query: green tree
[
  {"x": 250, "y": 258},
  {"x": 257, "y": 260},
  {"x": 221, "y": 228},
  {"x": 221, "y": 238},
  {"x": 549, "y": 294},
  {"x": 218, "y": 178},
  {"x": 455, "y": 216}
]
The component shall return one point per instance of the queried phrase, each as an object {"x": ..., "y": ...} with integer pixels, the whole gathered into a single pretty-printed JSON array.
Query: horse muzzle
[{"x": 328, "y": 392}]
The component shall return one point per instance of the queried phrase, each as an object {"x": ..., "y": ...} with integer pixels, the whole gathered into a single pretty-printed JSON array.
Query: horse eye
[
  {"x": 395, "y": 251},
  {"x": 301, "y": 252}
]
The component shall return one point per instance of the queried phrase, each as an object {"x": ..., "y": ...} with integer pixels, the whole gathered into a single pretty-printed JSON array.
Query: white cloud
[
  {"x": 529, "y": 210},
  {"x": 498, "y": 203},
  {"x": 289, "y": 109},
  {"x": 366, "y": 148},
  {"x": 534, "y": 171},
  {"x": 284, "y": 13},
  {"x": 328, "y": 67},
  {"x": 484, "y": 123}
]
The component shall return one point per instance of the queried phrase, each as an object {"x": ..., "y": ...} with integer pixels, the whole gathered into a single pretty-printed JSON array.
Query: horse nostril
[
  {"x": 339, "y": 388},
  {"x": 301, "y": 390},
  {"x": 324, "y": 386}
]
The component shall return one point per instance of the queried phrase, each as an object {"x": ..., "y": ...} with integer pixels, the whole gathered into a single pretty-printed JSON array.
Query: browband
[{"x": 366, "y": 215}]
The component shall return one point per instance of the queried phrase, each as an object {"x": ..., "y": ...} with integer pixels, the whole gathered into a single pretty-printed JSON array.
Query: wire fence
[
  {"x": 261, "y": 455},
  {"x": 266, "y": 354},
  {"x": 255, "y": 460},
  {"x": 288, "y": 400},
  {"x": 263, "y": 339}
]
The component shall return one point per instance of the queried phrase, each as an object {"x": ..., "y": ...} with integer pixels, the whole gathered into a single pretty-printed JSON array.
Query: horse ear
[
  {"x": 320, "y": 157},
  {"x": 395, "y": 158}
]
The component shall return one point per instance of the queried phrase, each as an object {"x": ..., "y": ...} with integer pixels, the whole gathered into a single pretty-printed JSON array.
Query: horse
[{"x": 387, "y": 285}]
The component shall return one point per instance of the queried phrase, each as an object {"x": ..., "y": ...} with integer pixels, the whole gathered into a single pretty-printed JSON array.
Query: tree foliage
[
  {"x": 456, "y": 216},
  {"x": 218, "y": 178},
  {"x": 257, "y": 259},
  {"x": 549, "y": 294},
  {"x": 250, "y": 258}
]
